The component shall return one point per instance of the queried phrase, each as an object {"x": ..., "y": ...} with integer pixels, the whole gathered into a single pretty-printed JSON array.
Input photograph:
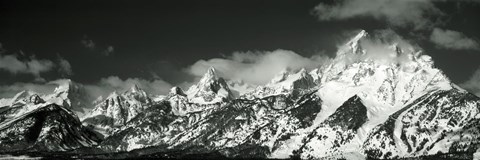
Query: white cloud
[
  {"x": 64, "y": 67},
  {"x": 87, "y": 43},
  {"x": 473, "y": 84},
  {"x": 400, "y": 13},
  {"x": 13, "y": 64},
  {"x": 8, "y": 91},
  {"x": 453, "y": 40},
  {"x": 108, "y": 51},
  {"x": 255, "y": 67},
  {"x": 99, "y": 49}
]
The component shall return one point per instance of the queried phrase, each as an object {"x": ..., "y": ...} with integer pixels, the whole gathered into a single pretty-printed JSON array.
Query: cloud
[
  {"x": 113, "y": 83},
  {"x": 256, "y": 67},
  {"x": 400, "y": 13},
  {"x": 88, "y": 43},
  {"x": 473, "y": 84},
  {"x": 65, "y": 69},
  {"x": 108, "y": 51},
  {"x": 99, "y": 49},
  {"x": 8, "y": 91},
  {"x": 453, "y": 40},
  {"x": 34, "y": 66}
]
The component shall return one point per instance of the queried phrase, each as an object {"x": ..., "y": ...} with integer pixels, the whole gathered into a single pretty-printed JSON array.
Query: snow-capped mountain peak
[
  {"x": 285, "y": 83},
  {"x": 280, "y": 77},
  {"x": 211, "y": 74},
  {"x": 112, "y": 95},
  {"x": 176, "y": 91},
  {"x": 63, "y": 85},
  {"x": 353, "y": 46},
  {"x": 209, "y": 89},
  {"x": 135, "y": 88},
  {"x": 288, "y": 81}
]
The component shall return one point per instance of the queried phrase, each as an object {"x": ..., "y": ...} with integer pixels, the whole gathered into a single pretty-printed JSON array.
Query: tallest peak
[
  {"x": 211, "y": 73},
  {"x": 358, "y": 37},
  {"x": 135, "y": 88}
]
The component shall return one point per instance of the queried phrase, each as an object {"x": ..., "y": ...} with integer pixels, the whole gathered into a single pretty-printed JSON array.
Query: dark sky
[{"x": 163, "y": 37}]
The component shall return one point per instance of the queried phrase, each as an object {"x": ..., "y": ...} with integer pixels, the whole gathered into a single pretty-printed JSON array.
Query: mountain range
[{"x": 358, "y": 105}]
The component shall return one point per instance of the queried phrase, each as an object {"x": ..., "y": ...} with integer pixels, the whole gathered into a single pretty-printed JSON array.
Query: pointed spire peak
[
  {"x": 62, "y": 85},
  {"x": 210, "y": 75},
  {"x": 358, "y": 36},
  {"x": 302, "y": 71},
  {"x": 356, "y": 39},
  {"x": 112, "y": 95},
  {"x": 176, "y": 91},
  {"x": 135, "y": 88},
  {"x": 211, "y": 72},
  {"x": 353, "y": 46},
  {"x": 281, "y": 76},
  {"x": 355, "y": 98},
  {"x": 315, "y": 71}
]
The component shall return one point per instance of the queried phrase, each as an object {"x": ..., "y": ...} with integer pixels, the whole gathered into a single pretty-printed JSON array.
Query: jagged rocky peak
[
  {"x": 35, "y": 99},
  {"x": 383, "y": 69},
  {"x": 353, "y": 45},
  {"x": 299, "y": 80},
  {"x": 135, "y": 88},
  {"x": 23, "y": 95},
  {"x": 280, "y": 77},
  {"x": 72, "y": 95},
  {"x": 378, "y": 46},
  {"x": 176, "y": 91},
  {"x": 137, "y": 93},
  {"x": 210, "y": 88},
  {"x": 112, "y": 95},
  {"x": 63, "y": 85}
]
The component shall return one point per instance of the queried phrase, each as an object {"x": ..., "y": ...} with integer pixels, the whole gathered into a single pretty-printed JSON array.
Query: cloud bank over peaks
[
  {"x": 31, "y": 65},
  {"x": 8, "y": 91},
  {"x": 418, "y": 14},
  {"x": 20, "y": 63},
  {"x": 256, "y": 67}
]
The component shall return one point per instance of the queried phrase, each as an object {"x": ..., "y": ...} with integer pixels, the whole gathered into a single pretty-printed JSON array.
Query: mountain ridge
[{"x": 360, "y": 104}]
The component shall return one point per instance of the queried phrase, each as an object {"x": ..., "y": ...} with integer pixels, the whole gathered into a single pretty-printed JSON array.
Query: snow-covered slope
[
  {"x": 438, "y": 122},
  {"x": 337, "y": 134}
]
